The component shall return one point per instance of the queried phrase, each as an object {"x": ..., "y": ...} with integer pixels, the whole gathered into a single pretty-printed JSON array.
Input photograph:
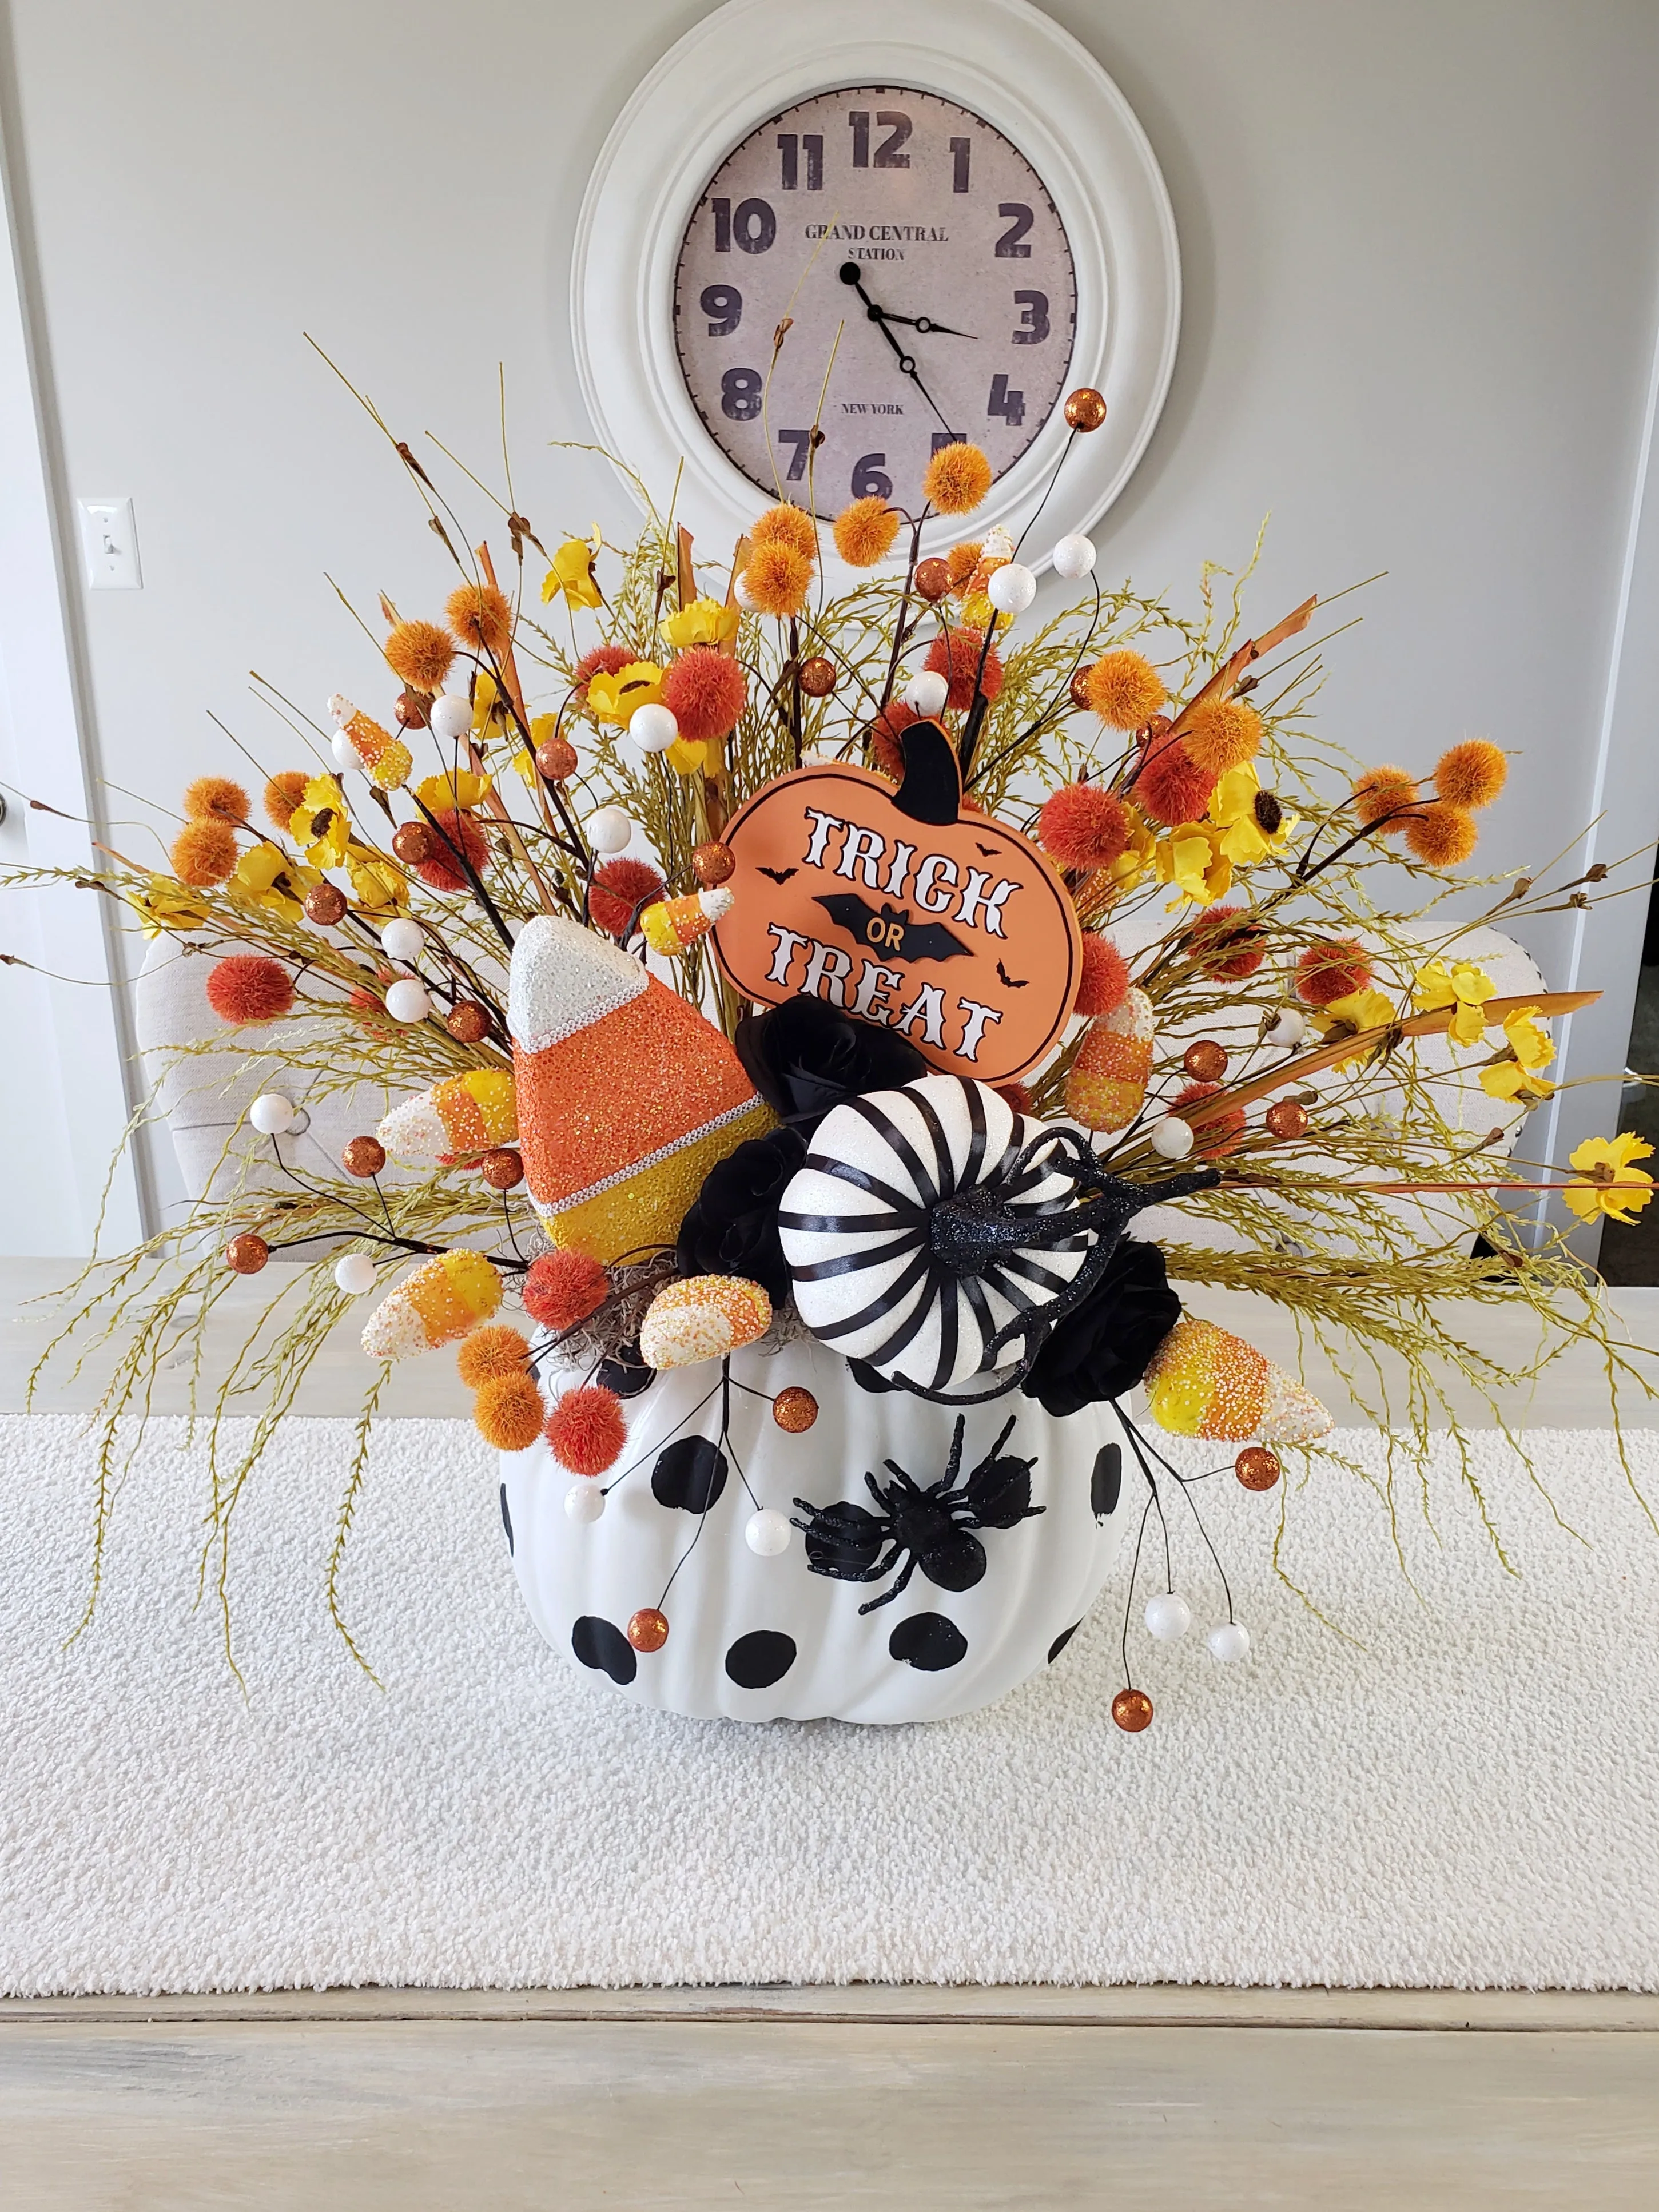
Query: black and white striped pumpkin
[{"x": 857, "y": 1225}]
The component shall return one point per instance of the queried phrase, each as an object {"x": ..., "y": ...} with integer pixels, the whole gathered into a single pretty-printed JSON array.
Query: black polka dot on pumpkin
[
  {"x": 690, "y": 1472},
  {"x": 1062, "y": 1640},
  {"x": 761, "y": 1658},
  {"x": 928, "y": 1642},
  {"x": 1105, "y": 1483},
  {"x": 626, "y": 1374},
  {"x": 601, "y": 1643},
  {"x": 506, "y": 1519}
]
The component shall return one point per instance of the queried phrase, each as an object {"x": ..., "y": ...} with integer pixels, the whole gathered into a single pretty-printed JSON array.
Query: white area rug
[{"x": 1471, "y": 1798}]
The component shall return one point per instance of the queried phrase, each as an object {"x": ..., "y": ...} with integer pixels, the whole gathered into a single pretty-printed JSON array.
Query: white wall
[{"x": 1420, "y": 239}]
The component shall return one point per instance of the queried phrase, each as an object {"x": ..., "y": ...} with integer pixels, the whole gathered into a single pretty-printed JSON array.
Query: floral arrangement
[{"x": 542, "y": 893}]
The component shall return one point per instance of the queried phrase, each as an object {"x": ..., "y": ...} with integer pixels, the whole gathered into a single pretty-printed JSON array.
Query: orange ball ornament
[
  {"x": 1288, "y": 1117},
  {"x": 556, "y": 760},
  {"x": 1256, "y": 1467},
  {"x": 411, "y": 711},
  {"x": 1086, "y": 411},
  {"x": 817, "y": 678},
  {"x": 647, "y": 1629},
  {"x": 933, "y": 579},
  {"x": 1078, "y": 688},
  {"x": 467, "y": 1022},
  {"x": 246, "y": 1254},
  {"x": 1133, "y": 1710},
  {"x": 1206, "y": 1061},
  {"x": 502, "y": 1168},
  {"x": 712, "y": 864},
  {"x": 326, "y": 905},
  {"x": 363, "y": 1156},
  {"x": 794, "y": 1410},
  {"x": 414, "y": 844}
]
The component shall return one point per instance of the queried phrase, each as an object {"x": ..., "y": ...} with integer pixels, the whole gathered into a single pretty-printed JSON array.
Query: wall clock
[{"x": 954, "y": 230}]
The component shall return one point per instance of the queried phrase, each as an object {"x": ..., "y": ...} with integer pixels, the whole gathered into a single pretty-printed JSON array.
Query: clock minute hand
[{"x": 853, "y": 275}]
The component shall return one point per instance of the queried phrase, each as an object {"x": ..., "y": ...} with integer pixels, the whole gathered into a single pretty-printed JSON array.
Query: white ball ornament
[
  {"x": 1289, "y": 1028},
  {"x": 1075, "y": 556},
  {"x": 653, "y": 728},
  {"x": 768, "y": 1533},
  {"x": 355, "y": 1274},
  {"x": 1168, "y": 1617},
  {"x": 345, "y": 753},
  {"x": 272, "y": 1114},
  {"x": 584, "y": 1501},
  {"x": 407, "y": 1000},
  {"x": 403, "y": 940},
  {"x": 927, "y": 692},
  {"x": 1172, "y": 1138},
  {"x": 1011, "y": 589},
  {"x": 609, "y": 830},
  {"x": 1227, "y": 1641},
  {"x": 451, "y": 717}
]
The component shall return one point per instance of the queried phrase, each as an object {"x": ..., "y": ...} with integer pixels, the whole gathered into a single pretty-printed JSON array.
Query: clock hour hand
[
  {"x": 926, "y": 325},
  {"x": 853, "y": 275}
]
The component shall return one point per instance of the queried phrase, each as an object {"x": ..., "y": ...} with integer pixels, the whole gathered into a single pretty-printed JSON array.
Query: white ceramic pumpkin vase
[{"x": 759, "y": 1637}]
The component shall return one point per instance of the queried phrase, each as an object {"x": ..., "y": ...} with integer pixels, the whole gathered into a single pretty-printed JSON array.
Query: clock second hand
[{"x": 853, "y": 275}]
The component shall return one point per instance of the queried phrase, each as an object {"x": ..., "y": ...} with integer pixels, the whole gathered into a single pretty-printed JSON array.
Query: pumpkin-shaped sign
[
  {"x": 961, "y": 1565},
  {"x": 897, "y": 907}
]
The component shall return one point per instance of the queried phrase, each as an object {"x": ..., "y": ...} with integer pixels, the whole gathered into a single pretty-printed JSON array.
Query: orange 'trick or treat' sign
[{"x": 950, "y": 928}]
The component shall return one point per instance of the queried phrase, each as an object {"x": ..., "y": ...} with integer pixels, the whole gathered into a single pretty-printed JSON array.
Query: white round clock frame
[{"x": 751, "y": 59}]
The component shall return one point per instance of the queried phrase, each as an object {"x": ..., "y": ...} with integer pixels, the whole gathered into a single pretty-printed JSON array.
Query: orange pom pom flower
[
  {"x": 957, "y": 478},
  {"x": 508, "y": 1412},
  {"x": 1227, "y": 946},
  {"x": 777, "y": 576},
  {"x": 1330, "y": 969},
  {"x": 585, "y": 1430},
  {"x": 619, "y": 890},
  {"x": 563, "y": 1288},
  {"x": 865, "y": 532},
  {"x": 420, "y": 655},
  {"x": 1082, "y": 825},
  {"x": 1105, "y": 981},
  {"x": 498, "y": 1350},
  {"x": 203, "y": 854},
  {"x": 786, "y": 523},
  {"x": 282, "y": 794},
  {"x": 1222, "y": 735},
  {"x": 215, "y": 798},
  {"x": 705, "y": 690},
  {"x": 1442, "y": 836},
  {"x": 1220, "y": 1132},
  {"x": 883, "y": 736},
  {"x": 247, "y": 988},
  {"x": 441, "y": 869},
  {"x": 1124, "y": 690},
  {"x": 481, "y": 616},
  {"x": 1471, "y": 774},
  {"x": 1171, "y": 788},
  {"x": 954, "y": 654},
  {"x": 1380, "y": 797}
]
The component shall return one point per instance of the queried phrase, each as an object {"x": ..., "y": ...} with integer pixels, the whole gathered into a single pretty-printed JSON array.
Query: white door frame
[{"x": 72, "y": 1068}]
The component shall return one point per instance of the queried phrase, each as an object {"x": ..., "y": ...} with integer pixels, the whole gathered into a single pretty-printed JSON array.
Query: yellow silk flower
[
  {"x": 1360, "y": 1010},
  {"x": 572, "y": 572},
  {"x": 266, "y": 876},
  {"x": 614, "y": 698},
  {"x": 376, "y": 886},
  {"x": 705, "y": 621},
  {"x": 1137, "y": 856},
  {"x": 1532, "y": 1049},
  {"x": 320, "y": 824},
  {"x": 448, "y": 794},
  {"x": 164, "y": 905},
  {"x": 490, "y": 711},
  {"x": 1191, "y": 859},
  {"x": 1465, "y": 987},
  {"x": 1233, "y": 812},
  {"x": 1605, "y": 1163}
]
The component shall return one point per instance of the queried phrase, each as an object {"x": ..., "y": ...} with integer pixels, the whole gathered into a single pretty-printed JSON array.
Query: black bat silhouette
[
  {"x": 780, "y": 875},
  {"x": 989, "y": 851},
  {"x": 891, "y": 931},
  {"x": 1010, "y": 980}
]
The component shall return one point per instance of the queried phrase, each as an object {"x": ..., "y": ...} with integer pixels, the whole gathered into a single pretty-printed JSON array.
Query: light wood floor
[
  {"x": 1573, "y": 1395},
  {"x": 1157, "y": 2100}
]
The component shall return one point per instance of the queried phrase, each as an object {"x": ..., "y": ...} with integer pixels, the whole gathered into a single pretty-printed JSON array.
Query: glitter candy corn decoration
[
  {"x": 1205, "y": 1382},
  {"x": 821, "y": 1029},
  {"x": 627, "y": 1096},
  {"x": 446, "y": 1298},
  {"x": 675, "y": 925},
  {"x": 1107, "y": 1085},
  {"x": 456, "y": 1120},
  {"x": 386, "y": 760}
]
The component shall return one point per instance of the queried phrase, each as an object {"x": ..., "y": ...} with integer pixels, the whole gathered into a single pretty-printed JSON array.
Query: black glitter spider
[{"x": 932, "y": 1526}]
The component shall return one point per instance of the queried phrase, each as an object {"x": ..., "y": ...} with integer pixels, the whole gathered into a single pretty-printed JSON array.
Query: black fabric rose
[
  {"x": 806, "y": 1057},
  {"x": 732, "y": 1226},
  {"x": 1105, "y": 1347}
]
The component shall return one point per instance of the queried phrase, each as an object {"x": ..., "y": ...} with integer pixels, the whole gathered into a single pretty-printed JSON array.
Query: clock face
[{"x": 922, "y": 266}]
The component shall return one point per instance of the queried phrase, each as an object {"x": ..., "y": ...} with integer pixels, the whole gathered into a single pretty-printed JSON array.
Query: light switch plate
[{"x": 109, "y": 540}]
